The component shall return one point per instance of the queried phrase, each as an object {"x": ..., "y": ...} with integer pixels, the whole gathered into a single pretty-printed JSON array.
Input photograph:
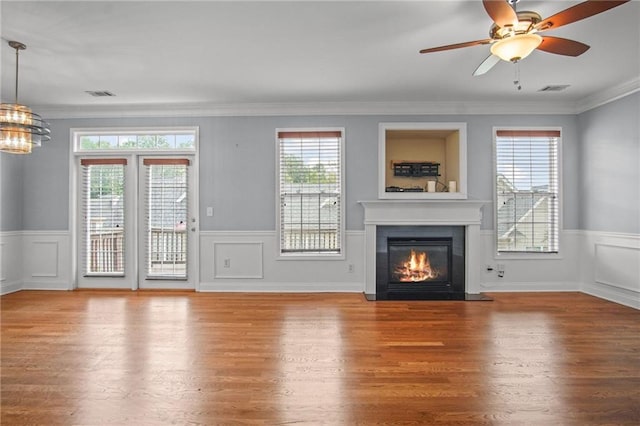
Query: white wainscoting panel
[
  {"x": 560, "y": 273},
  {"x": 10, "y": 262},
  {"x": 237, "y": 260},
  {"x": 46, "y": 260},
  {"x": 605, "y": 265},
  {"x": 610, "y": 266},
  {"x": 3, "y": 269},
  {"x": 266, "y": 273},
  {"x": 43, "y": 259},
  {"x": 618, "y": 266}
]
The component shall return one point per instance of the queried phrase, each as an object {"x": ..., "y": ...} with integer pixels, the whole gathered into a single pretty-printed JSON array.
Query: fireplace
[
  {"x": 420, "y": 263},
  {"x": 406, "y": 219}
]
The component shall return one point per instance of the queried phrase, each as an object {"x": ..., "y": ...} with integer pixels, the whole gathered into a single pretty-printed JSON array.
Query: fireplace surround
[
  {"x": 438, "y": 216},
  {"x": 420, "y": 262}
]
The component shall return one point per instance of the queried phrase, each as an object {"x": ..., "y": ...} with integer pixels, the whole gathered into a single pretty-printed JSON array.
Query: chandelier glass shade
[
  {"x": 517, "y": 47},
  {"x": 20, "y": 128}
]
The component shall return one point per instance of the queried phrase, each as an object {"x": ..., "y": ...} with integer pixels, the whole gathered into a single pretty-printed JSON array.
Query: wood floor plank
[{"x": 108, "y": 357}]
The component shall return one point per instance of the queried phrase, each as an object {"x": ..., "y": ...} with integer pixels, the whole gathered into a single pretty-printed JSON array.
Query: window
[
  {"x": 136, "y": 140},
  {"x": 310, "y": 192},
  {"x": 527, "y": 181}
]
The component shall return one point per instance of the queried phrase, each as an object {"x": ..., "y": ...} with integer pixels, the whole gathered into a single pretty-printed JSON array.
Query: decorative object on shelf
[
  {"x": 453, "y": 187},
  {"x": 400, "y": 189},
  {"x": 20, "y": 128},
  {"x": 431, "y": 186},
  {"x": 514, "y": 35},
  {"x": 415, "y": 169}
]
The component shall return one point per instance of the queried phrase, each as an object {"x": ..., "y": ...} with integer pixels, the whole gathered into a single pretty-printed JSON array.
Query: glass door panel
[
  {"x": 104, "y": 244},
  {"x": 166, "y": 223}
]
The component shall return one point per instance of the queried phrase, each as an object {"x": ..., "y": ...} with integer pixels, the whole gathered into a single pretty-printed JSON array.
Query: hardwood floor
[{"x": 137, "y": 358}]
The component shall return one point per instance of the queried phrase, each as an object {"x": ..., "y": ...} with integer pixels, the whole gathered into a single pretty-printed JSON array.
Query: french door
[
  {"x": 138, "y": 226},
  {"x": 166, "y": 223}
]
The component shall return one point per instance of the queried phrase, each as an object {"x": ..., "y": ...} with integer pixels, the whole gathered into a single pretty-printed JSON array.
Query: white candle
[
  {"x": 431, "y": 186},
  {"x": 452, "y": 186}
]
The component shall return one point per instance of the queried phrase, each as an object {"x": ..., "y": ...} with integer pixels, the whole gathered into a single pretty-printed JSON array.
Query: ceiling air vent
[
  {"x": 99, "y": 93},
  {"x": 554, "y": 88}
]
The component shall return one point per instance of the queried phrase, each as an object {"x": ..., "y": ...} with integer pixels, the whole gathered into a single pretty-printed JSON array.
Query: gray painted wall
[
  {"x": 237, "y": 165},
  {"x": 609, "y": 167},
  {"x": 11, "y": 188}
]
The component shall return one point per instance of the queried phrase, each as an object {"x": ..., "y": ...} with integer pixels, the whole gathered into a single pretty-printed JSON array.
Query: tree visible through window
[
  {"x": 310, "y": 191},
  {"x": 184, "y": 140},
  {"x": 527, "y": 209}
]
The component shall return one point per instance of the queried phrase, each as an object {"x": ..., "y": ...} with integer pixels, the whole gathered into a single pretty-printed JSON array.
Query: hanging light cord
[
  {"x": 17, "y": 59},
  {"x": 18, "y": 46}
]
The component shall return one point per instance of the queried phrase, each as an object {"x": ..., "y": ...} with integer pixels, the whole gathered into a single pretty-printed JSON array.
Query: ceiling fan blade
[
  {"x": 456, "y": 46},
  {"x": 486, "y": 65},
  {"x": 562, "y": 46},
  {"x": 501, "y": 12},
  {"x": 575, "y": 13}
]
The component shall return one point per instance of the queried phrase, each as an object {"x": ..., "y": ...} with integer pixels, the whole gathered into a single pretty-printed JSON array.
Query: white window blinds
[
  {"x": 310, "y": 192},
  {"x": 527, "y": 209},
  {"x": 166, "y": 201},
  {"x": 103, "y": 224}
]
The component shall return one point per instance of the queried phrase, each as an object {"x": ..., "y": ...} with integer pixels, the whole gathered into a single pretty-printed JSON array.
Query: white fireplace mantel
[{"x": 467, "y": 213}]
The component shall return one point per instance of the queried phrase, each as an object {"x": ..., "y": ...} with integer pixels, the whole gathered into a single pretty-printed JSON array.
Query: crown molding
[
  {"x": 341, "y": 108},
  {"x": 608, "y": 95},
  {"x": 306, "y": 109}
]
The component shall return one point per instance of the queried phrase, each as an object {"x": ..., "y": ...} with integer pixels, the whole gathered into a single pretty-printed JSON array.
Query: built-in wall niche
[{"x": 422, "y": 161}]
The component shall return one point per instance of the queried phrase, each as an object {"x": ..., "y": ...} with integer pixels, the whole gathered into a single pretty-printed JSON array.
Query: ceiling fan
[{"x": 514, "y": 35}]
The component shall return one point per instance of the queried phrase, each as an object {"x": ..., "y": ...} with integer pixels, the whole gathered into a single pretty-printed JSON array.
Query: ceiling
[{"x": 363, "y": 55}]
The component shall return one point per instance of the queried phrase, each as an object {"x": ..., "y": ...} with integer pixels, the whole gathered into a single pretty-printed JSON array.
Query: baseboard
[
  {"x": 530, "y": 286},
  {"x": 51, "y": 285},
  {"x": 12, "y": 287},
  {"x": 613, "y": 294},
  {"x": 282, "y": 287}
]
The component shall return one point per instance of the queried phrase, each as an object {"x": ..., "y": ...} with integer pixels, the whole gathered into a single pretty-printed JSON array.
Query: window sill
[{"x": 528, "y": 256}]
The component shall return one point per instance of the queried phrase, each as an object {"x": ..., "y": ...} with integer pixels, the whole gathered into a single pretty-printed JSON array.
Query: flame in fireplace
[{"x": 416, "y": 268}]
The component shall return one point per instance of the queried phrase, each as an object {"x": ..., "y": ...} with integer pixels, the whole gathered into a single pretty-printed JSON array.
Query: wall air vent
[
  {"x": 99, "y": 93},
  {"x": 554, "y": 88}
]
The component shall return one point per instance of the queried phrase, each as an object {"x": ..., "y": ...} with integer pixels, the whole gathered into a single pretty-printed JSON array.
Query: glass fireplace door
[{"x": 419, "y": 261}]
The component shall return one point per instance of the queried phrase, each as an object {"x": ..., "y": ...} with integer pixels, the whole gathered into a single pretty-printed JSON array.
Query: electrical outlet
[
  {"x": 227, "y": 263},
  {"x": 500, "y": 267},
  {"x": 209, "y": 211},
  {"x": 351, "y": 268}
]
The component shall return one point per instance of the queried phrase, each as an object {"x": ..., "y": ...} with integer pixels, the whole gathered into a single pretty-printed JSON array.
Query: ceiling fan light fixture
[
  {"x": 517, "y": 47},
  {"x": 20, "y": 128}
]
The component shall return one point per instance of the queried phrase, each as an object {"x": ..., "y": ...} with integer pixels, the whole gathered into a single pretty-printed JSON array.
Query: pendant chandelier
[{"x": 20, "y": 128}]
